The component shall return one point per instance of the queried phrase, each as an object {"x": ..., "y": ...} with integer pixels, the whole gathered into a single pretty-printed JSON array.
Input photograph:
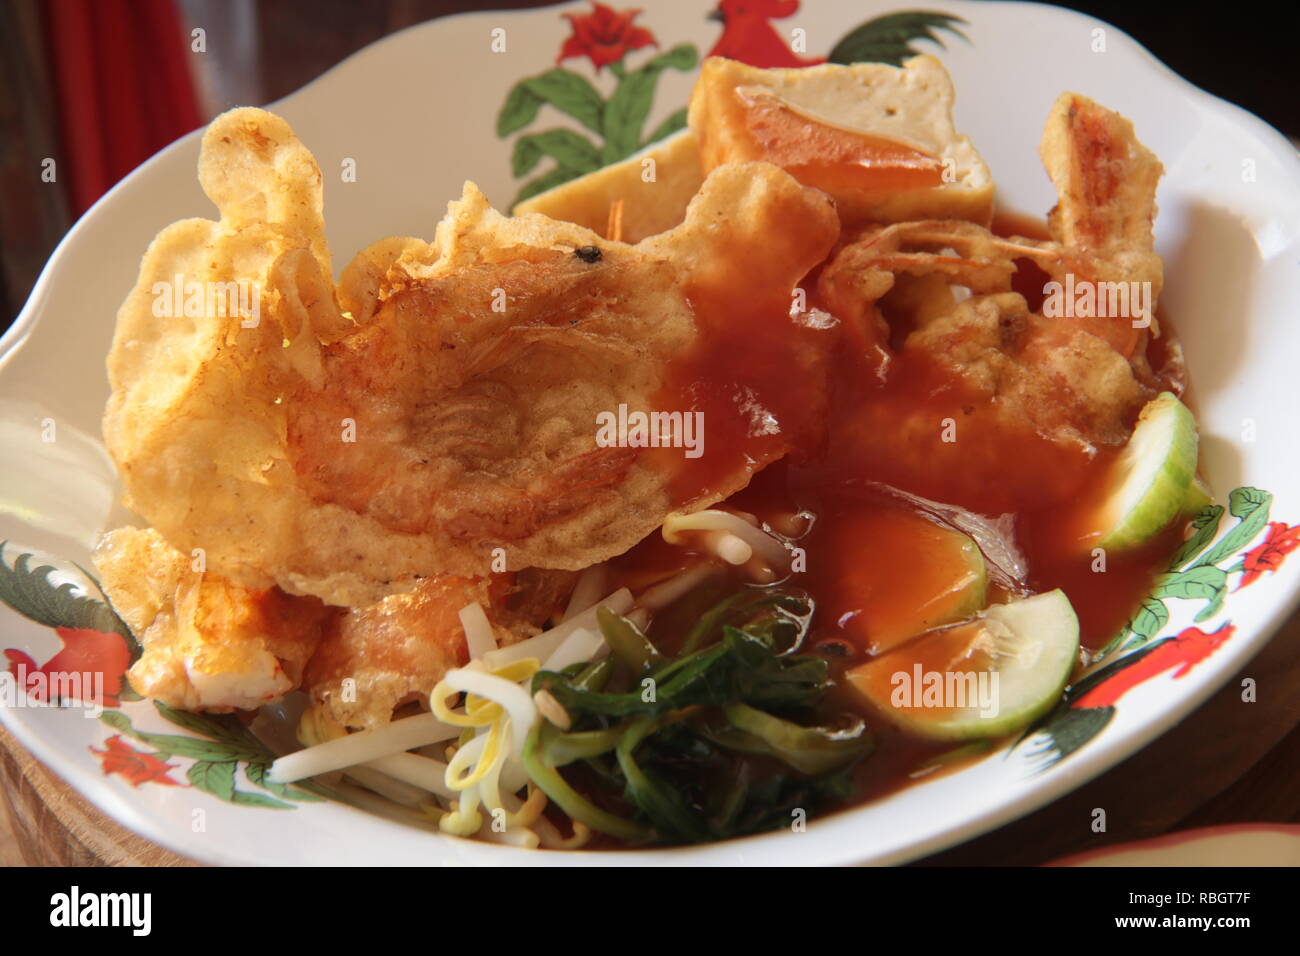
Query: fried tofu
[
  {"x": 879, "y": 139},
  {"x": 653, "y": 187}
]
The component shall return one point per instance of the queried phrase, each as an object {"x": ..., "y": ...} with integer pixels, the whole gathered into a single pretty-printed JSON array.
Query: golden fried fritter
[
  {"x": 1106, "y": 186},
  {"x": 210, "y": 645},
  {"x": 448, "y": 408}
]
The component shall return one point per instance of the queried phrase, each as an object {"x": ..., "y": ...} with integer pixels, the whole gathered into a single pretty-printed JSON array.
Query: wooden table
[{"x": 1229, "y": 762}]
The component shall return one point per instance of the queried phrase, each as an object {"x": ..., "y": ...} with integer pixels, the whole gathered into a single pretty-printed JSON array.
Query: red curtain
[{"x": 122, "y": 88}]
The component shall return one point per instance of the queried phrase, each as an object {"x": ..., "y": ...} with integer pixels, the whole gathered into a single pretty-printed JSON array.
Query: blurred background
[{"x": 119, "y": 79}]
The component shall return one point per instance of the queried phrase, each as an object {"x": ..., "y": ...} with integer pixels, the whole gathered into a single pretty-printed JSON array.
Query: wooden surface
[
  {"x": 44, "y": 822},
  {"x": 1229, "y": 762}
]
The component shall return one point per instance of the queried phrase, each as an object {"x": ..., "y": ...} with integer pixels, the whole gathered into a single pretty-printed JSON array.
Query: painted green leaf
[
  {"x": 524, "y": 156},
  {"x": 176, "y": 745},
  {"x": 1203, "y": 581},
  {"x": 1068, "y": 730},
  {"x": 257, "y": 775},
  {"x": 569, "y": 93},
  {"x": 626, "y": 113},
  {"x": 217, "y": 779},
  {"x": 628, "y": 107},
  {"x": 1151, "y": 616},
  {"x": 555, "y": 177},
  {"x": 1212, "y": 608},
  {"x": 669, "y": 126},
  {"x": 196, "y": 748},
  {"x": 216, "y": 761},
  {"x": 118, "y": 721},
  {"x": 1145, "y": 624},
  {"x": 30, "y": 592},
  {"x": 519, "y": 109},
  {"x": 203, "y": 724},
  {"x": 1206, "y": 526},
  {"x": 311, "y": 786},
  {"x": 1250, "y": 506},
  {"x": 681, "y": 57},
  {"x": 565, "y": 146},
  {"x": 888, "y": 39},
  {"x": 243, "y": 798}
]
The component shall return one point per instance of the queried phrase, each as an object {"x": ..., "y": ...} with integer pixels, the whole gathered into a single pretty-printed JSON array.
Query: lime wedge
[
  {"x": 1198, "y": 496},
  {"x": 985, "y": 677},
  {"x": 1152, "y": 477}
]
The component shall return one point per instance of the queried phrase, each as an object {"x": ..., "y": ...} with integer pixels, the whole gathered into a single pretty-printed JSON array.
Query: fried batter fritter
[
  {"x": 1071, "y": 379},
  {"x": 210, "y": 645},
  {"x": 448, "y": 407}
]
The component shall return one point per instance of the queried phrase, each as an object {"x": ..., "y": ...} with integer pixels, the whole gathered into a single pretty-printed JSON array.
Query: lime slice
[
  {"x": 981, "y": 678},
  {"x": 1198, "y": 496},
  {"x": 1152, "y": 476}
]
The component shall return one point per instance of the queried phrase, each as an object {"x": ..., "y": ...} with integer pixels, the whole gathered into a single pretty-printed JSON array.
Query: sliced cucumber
[
  {"x": 981, "y": 678},
  {"x": 1198, "y": 496},
  {"x": 1152, "y": 476}
]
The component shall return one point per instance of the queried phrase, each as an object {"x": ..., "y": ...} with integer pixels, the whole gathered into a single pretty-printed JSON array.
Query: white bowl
[{"x": 416, "y": 112}]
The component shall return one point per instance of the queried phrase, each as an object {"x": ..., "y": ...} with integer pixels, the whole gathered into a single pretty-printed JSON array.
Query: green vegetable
[
  {"x": 742, "y": 666},
  {"x": 570, "y": 801},
  {"x": 666, "y": 808},
  {"x": 560, "y": 749},
  {"x": 704, "y": 745},
  {"x": 626, "y": 642},
  {"x": 811, "y": 750}
]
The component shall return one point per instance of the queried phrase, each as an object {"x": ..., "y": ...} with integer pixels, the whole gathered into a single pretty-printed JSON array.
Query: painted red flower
[
  {"x": 1179, "y": 654},
  {"x": 94, "y": 662},
  {"x": 604, "y": 36},
  {"x": 1280, "y": 542},
  {"x": 137, "y": 766}
]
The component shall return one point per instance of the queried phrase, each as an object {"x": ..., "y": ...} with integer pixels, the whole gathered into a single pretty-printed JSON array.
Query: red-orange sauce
[
  {"x": 834, "y": 159},
  {"x": 885, "y": 424},
  {"x": 758, "y": 380}
]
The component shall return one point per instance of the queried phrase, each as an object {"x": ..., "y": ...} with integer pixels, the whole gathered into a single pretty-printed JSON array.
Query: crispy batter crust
[{"x": 442, "y": 404}]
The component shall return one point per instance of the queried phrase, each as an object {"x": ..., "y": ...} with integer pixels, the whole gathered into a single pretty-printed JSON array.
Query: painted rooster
[
  {"x": 749, "y": 36},
  {"x": 1089, "y": 703}
]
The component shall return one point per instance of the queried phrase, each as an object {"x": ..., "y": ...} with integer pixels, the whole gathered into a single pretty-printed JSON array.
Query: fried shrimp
[
  {"x": 208, "y": 644},
  {"x": 373, "y": 659},
  {"x": 1102, "y": 223},
  {"x": 439, "y": 409},
  {"x": 214, "y": 646},
  {"x": 938, "y": 296}
]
